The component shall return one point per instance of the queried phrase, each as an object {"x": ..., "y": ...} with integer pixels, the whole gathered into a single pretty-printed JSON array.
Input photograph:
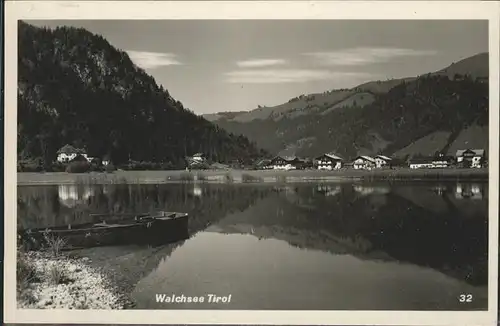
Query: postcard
[{"x": 280, "y": 163}]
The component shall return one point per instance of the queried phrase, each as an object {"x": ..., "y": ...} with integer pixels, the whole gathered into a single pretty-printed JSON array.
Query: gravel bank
[{"x": 66, "y": 283}]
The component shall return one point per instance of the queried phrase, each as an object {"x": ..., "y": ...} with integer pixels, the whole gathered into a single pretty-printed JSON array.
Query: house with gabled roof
[
  {"x": 364, "y": 162},
  {"x": 421, "y": 162},
  {"x": 382, "y": 160},
  {"x": 68, "y": 153},
  {"x": 328, "y": 161},
  {"x": 286, "y": 163},
  {"x": 197, "y": 161},
  {"x": 470, "y": 158}
]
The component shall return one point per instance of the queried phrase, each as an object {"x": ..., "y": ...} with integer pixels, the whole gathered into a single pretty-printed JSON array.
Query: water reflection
[
  {"x": 415, "y": 233},
  {"x": 472, "y": 191},
  {"x": 365, "y": 190},
  {"x": 298, "y": 279},
  {"x": 73, "y": 195},
  {"x": 197, "y": 190},
  {"x": 329, "y": 190}
]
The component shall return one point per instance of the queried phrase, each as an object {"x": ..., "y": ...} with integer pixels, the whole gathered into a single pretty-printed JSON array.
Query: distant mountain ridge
[
  {"x": 76, "y": 88},
  {"x": 448, "y": 101}
]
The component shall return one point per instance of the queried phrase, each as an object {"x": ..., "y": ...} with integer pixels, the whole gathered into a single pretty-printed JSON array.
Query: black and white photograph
[{"x": 254, "y": 165}]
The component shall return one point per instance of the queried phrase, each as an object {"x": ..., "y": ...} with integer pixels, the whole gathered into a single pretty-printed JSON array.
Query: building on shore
[
  {"x": 197, "y": 161},
  {"x": 364, "y": 162},
  {"x": 264, "y": 164},
  {"x": 328, "y": 161},
  {"x": 286, "y": 163},
  {"x": 382, "y": 160},
  {"x": 442, "y": 161},
  {"x": 68, "y": 153},
  {"x": 470, "y": 158},
  {"x": 425, "y": 162}
]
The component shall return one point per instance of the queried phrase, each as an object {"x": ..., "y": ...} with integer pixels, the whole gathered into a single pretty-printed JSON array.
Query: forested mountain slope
[
  {"x": 387, "y": 117},
  {"x": 75, "y": 88}
]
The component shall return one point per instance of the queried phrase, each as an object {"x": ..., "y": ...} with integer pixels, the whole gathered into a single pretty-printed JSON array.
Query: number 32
[{"x": 465, "y": 298}]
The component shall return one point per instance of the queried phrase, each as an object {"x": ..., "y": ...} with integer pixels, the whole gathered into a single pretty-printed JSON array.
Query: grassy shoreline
[{"x": 249, "y": 176}]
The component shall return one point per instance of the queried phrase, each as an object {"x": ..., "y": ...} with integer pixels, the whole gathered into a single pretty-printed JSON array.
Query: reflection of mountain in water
[
  {"x": 413, "y": 223},
  {"x": 383, "y": 225},
  {"x": 40, "y": 206}
]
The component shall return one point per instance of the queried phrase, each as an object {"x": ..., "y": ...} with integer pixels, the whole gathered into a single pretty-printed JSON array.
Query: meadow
[{"x": 247, "y": 176}]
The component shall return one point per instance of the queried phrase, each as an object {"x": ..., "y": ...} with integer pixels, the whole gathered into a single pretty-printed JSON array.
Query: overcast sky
[{"x": 233, "y": 65}]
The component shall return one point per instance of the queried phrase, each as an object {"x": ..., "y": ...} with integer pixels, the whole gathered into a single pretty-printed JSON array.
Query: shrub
[
  {"x": 25, "y": 272},
  {"x": 30, "y": 165},
  {"x": 57, "y": 275},
  {"x": 228, "y": 177},
  {"x": 58, "y": 167},
  {"x": 54, "y": 244},
  {"x": 109, "y": 168},
  {"x": 78, "y": 167},
  {"x": 95, "y": 167}
]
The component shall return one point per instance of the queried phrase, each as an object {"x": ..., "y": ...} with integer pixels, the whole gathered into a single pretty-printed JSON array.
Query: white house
[
  {"x": 381, "y": 160},
  {"x": 473, "y": 158},
  {"x": 199, "y": 157},
  {"x": 329, "y": 161},
  {"x": 421, "y": 163},
  {"x": 284, "y": 163},
  {"x": 364, "y": 163},
  {"x": 67, "y": 153}
]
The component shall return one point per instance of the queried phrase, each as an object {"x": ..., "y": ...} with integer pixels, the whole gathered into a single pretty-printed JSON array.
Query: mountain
[
  {"x": 437, "y": 111},
  {"x": 76, "y": 88}
]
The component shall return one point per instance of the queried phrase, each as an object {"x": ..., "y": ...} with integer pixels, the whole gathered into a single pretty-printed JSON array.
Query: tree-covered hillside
[
  {"x": 394, "y": 120},
  {"x": 75, "y": 88}
]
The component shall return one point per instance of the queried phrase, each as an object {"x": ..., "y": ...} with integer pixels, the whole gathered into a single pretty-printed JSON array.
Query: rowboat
[{"x": 112, "y": 230}]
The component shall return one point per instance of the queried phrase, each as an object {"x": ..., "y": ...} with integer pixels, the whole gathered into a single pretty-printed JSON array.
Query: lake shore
[
  {"x": 45, "y": 281},
  {"x": 250, "y": 176}
]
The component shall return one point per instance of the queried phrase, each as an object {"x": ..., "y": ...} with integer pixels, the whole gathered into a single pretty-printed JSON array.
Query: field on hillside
[{"x": 248, "y": 176}]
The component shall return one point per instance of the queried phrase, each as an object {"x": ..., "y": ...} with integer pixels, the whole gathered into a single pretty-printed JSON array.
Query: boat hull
[{"x": 155, "y": 232}]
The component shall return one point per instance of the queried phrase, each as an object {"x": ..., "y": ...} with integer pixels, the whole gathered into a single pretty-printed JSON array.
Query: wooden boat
[{"x": 111, "y": 230}]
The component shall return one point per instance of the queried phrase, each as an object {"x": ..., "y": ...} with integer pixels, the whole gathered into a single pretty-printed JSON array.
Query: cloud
[
  {"x": 254, "y": 63},
  {"x": 364, "y": 55},
  {"x": 151, "y": 60},
  {"x": 287, "y": 76}
]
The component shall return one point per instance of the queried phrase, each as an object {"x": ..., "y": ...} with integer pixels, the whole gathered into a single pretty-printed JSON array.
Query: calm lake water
[{"x": 364, "y": 246}]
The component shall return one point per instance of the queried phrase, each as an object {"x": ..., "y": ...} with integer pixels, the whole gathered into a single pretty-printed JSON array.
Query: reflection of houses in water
[
  {"x": 197, "y": 191},
  {"x": 365, "y": 190},
  {"x": 73, "y": 195},
  {"x": 469, "y": 191},
  {"x": 329, "y": 190},
  {"x": 440, "y": 189}
]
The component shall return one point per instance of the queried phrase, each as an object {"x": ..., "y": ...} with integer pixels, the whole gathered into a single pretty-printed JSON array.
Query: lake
[{"x": 311, "y": 246}]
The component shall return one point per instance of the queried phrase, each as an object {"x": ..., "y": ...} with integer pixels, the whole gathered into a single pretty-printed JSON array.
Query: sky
[{"x": 235, "y": 65}]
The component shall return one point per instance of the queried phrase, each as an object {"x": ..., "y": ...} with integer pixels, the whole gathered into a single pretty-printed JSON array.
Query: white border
[{"x": 15, "y": 10}]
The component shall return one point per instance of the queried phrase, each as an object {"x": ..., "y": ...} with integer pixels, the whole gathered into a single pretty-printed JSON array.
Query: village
[{"x": 464, "y": 158}]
